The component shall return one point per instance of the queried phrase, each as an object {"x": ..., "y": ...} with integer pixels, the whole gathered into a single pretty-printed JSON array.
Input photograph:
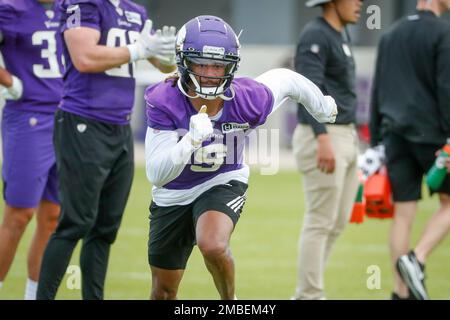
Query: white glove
[
  {"x": 153, "y": 45},
  {"x": 200, "y": 127},
  {"x": 168, "y": 35},
  {"x": 14, "y": 92},
  {"x": 328, "y": 111}
]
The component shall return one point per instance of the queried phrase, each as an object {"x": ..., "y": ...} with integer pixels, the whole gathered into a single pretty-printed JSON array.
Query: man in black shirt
[
  {"x": 410, "y": 116},
  {"x": 326, "y": 154}
]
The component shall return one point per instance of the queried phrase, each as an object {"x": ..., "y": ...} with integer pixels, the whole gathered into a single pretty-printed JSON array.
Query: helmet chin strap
[
  {"x": 180, "y": 86},
  {"x": 224, "y": 97}
]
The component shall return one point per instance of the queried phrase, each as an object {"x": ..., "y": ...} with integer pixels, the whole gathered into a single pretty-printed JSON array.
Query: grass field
[{"x": 264, "y": 247}]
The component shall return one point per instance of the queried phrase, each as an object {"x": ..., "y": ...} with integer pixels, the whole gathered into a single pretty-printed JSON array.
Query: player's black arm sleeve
[
  {"x": 312, "y": 65},
  {"x": 443, "y": 82},
  {"x": 375, "y": 116}
]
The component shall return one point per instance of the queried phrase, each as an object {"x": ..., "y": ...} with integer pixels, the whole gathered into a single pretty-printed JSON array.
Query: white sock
[
  {"x": 30, "y": 290},
  {"x": 1, "y": 284}
]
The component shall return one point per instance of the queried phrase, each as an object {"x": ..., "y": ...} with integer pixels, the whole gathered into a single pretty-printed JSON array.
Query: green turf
[{"x": 264, "y": 246}]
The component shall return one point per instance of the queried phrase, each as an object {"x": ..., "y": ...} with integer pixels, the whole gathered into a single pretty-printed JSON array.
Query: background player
[
  {"x": 32, "y": 88},
  {"x": 93, "y": 138}
]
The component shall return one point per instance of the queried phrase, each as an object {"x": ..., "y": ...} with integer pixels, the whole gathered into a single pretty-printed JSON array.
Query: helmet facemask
[{"x": 206, "y": 86}]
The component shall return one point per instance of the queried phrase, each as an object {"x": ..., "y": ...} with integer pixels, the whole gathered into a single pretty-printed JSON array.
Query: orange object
[
  {"x": 378, "y": 196},
  {"x": 358, "y": 207},
  {"x": 446, "y": 148},
  {"x": 358, "y": 213}
]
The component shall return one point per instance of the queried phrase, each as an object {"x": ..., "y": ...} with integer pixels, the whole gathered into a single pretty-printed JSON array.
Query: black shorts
[
  {"x": 407, "y": 162},
  {"x": 95, "y": 163},
  {"x": 172, "y": 229}
]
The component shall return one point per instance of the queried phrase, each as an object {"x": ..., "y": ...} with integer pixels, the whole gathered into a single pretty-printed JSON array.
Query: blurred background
[{"x": 270, "y": 30}]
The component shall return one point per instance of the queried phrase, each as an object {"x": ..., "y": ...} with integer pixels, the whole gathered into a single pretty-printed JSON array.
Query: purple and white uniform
[
  {"x": 105, "y": 96},
  {"x": 31, "y": 51},
  {"x": 179, "y": 172}
]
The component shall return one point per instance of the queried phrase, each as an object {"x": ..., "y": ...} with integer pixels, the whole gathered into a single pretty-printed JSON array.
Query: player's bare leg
[
  {"x": 46, "y": 222},
  {"x": 213, "y": 233},
  {"x": 165, "y": 283},
  {"x": 15, "y": 221},
  {"x": 436, "y": 230},
  {"x": 400, "y": 239}
]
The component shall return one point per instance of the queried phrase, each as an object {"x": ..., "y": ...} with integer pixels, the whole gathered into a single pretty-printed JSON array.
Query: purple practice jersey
[
  {"x": 169, "y": 109},
  {"x": 32, "y": 52},
  {"x": 105, "y": 96}
]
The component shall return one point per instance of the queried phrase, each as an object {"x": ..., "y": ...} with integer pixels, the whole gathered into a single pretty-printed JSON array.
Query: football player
[
  {"x": 31, "y": 83},
  {"x": 197, "y": 123},
  {"x": 93, "y": 139}
]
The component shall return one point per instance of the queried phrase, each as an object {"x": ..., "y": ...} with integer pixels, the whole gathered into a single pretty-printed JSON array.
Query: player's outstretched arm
[{"x": 285, "y": 83}]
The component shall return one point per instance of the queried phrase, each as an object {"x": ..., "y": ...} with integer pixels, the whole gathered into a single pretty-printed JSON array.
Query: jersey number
[
  {"x": 118, "y": 38},
  {"x": 49, "y": 53},
  {"x": 212, "y": 155}
]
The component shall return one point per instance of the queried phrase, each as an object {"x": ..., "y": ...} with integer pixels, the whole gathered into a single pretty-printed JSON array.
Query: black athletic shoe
[
  {"x": 413, "y": 274},
  {"x": 395, "y": 296},
  {"x": 410, "y": 296}
]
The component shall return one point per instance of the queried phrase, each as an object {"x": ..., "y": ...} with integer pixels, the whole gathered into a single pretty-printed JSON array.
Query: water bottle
[{"x": 438, "y": 171}]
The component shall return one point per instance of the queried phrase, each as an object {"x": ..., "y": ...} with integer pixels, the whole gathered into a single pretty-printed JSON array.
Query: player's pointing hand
[{"x": 200, "y": 127}]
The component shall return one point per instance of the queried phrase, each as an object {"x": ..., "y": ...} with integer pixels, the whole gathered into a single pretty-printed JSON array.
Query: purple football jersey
[
  {"x": 168, "y": 109},
  {"x": 32, "y": 52},
  {"x": 106, "y": 96}
]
